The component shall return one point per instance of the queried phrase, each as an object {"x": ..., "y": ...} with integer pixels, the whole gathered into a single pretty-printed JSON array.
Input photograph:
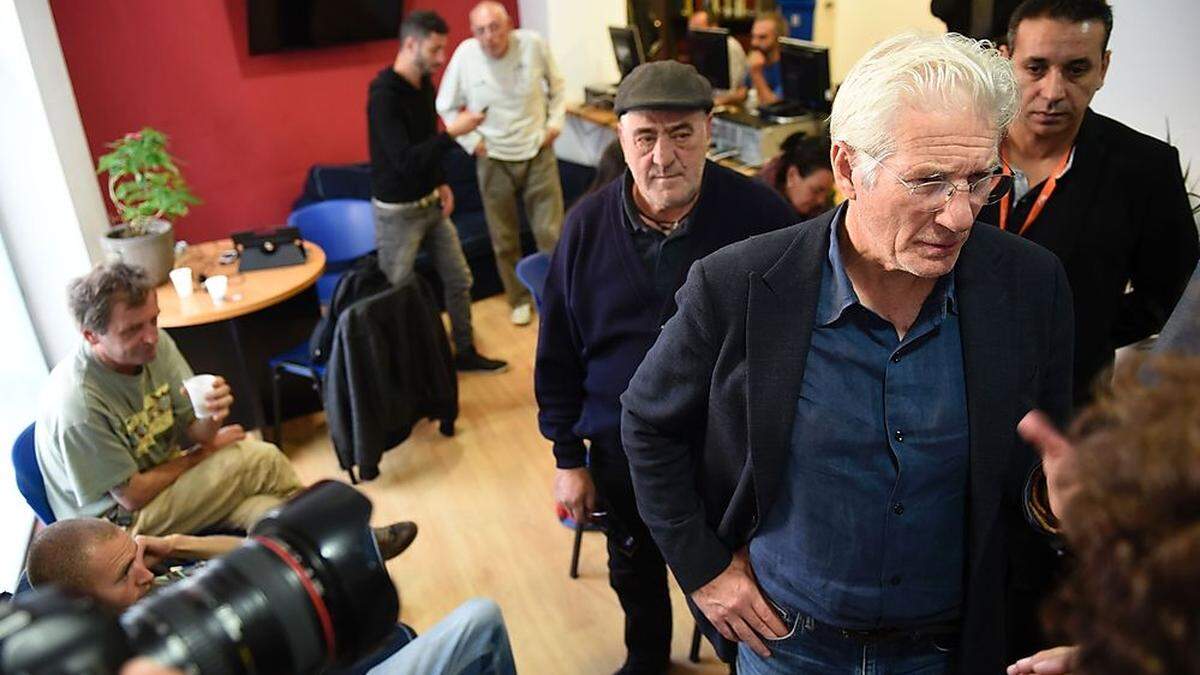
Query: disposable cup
[
  {"x": 197, "y": 388},
  {"x": 182, "y": 278},
  {"x": 217, "y": 285}
]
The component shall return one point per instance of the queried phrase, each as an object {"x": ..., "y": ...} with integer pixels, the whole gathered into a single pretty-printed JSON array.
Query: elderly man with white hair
[{"x": 822, "y": 440}]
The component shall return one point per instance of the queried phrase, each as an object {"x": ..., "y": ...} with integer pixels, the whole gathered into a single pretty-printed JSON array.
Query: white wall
[
  {"x": 1155, "y": 72},
  {"x": 51, "y": 211},
  {"x": 577, "y": 32},
  {"x": 851, "y": 27}
]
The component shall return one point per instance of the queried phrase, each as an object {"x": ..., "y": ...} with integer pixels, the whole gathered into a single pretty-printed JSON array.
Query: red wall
[{"x": 247, "y": 128}]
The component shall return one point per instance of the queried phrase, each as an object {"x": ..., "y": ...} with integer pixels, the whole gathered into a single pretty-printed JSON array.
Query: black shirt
[
  {"x": 666, "y": 257},
  {"x": 406, "y": 148}
]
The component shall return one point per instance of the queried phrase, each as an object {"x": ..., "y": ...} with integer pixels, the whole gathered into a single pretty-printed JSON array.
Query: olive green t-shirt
[{"x": 97, "y": 427}]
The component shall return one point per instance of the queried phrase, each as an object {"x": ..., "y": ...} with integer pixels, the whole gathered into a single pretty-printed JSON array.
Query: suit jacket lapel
[
  {"x": 781, "y": 307},
  {"x": 987, "y": 327}
]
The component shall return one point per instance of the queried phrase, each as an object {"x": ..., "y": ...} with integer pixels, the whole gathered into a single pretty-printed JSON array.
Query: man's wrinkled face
[
  {"x": 118, "y": 572},
  {"x": 665, "y": 152},
  {"x": 430, "y": 53},
  {"x": 131, "y": 339},
  {"x": 491, "y": 27},
  {"x": 1060, "y": 65},
  {"x": 764, "y": 38},
  {"x": 890, "y": 228}
]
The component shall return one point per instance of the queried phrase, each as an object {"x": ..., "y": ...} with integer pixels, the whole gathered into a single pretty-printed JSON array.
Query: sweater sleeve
[
  {"x": 556, "y": 109},
  {"x": 559, "y": 369},
  {"x": 452, "y": 97},
  {"x": 387, "y": 118}
]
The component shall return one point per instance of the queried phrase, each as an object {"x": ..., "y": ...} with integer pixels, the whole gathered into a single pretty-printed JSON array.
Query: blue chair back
[
  {"x": 343, "y": 228},
  {"x": 29, "y": 476},
  {"x": 532, "y": 270}
]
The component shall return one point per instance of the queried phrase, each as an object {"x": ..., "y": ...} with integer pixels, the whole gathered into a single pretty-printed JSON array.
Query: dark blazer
[
  {"x": 708, "y": 417},
  {"x": 1120, "y": 215}
]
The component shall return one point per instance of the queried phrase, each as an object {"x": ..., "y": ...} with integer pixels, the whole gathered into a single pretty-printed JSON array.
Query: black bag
[{"x": 362, "y": 280}]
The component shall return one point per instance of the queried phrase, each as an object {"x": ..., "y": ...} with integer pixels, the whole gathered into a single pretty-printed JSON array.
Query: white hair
[{"x": 913, "y": 71}]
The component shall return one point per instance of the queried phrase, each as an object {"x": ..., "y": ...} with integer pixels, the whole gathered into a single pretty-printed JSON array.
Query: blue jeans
[
  {"x": 815, "y": 650},
  {"x": 471, "y": 640}
]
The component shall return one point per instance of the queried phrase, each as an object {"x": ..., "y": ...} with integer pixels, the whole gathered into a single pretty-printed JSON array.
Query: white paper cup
[
  {"x": 197, "y": 388},
  {"x": 217, "y": 285},
  {"x": 182, "y": 278}
]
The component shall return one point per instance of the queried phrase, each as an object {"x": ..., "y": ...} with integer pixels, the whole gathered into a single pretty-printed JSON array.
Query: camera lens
[{"x": 307, "y": 590}]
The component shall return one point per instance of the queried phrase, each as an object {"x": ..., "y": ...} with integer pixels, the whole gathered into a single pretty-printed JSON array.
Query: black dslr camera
[{"x": 307, "y": 591}]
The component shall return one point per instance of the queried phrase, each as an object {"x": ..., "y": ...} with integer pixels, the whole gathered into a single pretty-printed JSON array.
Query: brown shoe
[{"x": 394, "y": 538}]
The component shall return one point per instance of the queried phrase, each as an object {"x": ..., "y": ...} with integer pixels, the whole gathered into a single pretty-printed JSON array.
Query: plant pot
[{"x": 154, "y": 251}]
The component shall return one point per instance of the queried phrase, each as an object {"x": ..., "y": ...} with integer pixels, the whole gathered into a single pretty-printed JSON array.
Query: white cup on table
[
  {"x": 217, "y": 285},
  {"x": 181, "y": 277}
]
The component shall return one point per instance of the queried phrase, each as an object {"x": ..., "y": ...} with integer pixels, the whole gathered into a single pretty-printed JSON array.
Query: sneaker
[
  {"x": 522, "y": 315},
  {"x": 394, "y": 538},
  {"x": 472, "y": 360}
]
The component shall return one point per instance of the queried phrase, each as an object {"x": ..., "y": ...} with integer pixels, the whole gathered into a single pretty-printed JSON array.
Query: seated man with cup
[{"x": 127, "y": 433}]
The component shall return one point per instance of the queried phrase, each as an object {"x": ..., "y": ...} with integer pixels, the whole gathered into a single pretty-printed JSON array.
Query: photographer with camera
[{"x": 320, "y": 534}]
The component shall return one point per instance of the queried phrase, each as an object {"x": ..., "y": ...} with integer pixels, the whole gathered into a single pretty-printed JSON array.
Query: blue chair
[
  {"x": 343, "y": 228},
  {"x": 29, "y": 476},
  {"x": 532, "y": 270},
  {"x": 296, "y": 362}
]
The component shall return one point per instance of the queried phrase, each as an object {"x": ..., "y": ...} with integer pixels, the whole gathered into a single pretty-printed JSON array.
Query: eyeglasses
[{"x": 934, "y": 195}]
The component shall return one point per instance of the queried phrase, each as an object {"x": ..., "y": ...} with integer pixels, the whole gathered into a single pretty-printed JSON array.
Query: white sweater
[{"x": 522, "y": 91}]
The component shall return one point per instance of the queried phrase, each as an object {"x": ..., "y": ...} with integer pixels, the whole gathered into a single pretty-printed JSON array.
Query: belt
[
  {"x": 426, "y": 201},
  {"x": 872, "y": 635}
]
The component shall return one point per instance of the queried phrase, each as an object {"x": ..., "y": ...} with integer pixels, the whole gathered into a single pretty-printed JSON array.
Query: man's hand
[
  {"x": 575, "y": 491},
  {"x": 465, "y": 122},
  {"x": 219, "y": 400},
  {"x": 480, "y": 148},
  {"x": 447, "y": 197},
  {"x": 756, "y": 60},
  {"x": 155, "y": 549},
  {"x": 551, "y": 134},
  {"x": 735, "y": 605},
  {"x": 226, "y": 435},
  {"x": 1056, "y": 661},
  {"x": 1058, "y": 457}
]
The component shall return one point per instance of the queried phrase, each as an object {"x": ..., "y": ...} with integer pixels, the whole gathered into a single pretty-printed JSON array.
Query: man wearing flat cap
[{"x": 625, "y": 250}]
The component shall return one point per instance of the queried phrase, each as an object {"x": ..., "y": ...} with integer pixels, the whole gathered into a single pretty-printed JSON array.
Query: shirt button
[
  {"x": 895, "y": 358},
  {"x": 899, "y": 435},
  {"x": 895, "y": 580},
  {"x": 898, "y": 508}
]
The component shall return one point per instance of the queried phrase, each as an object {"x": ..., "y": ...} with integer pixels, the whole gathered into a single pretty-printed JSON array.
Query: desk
[
  {"x": 265, "y": 313},
  {"x": 594, "y": 128}
]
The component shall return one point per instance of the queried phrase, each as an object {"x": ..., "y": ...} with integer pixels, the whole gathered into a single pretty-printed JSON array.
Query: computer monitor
[
  {"x": 709, "y": 51},
  {"x": 627, "y": 48},
  {"x": 805, "y": 71}
]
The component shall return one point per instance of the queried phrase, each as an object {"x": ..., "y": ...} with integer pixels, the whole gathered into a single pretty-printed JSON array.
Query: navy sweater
[{"x": 601, "y": 313}]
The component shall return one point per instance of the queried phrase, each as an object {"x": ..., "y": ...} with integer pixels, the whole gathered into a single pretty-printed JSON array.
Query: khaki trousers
[
  {"x": 536, "y": 181},
  {"x": 233, "y": 488}
]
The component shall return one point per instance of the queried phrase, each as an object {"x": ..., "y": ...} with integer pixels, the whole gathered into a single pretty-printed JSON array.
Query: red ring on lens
[{"x": 318, "y": 603}]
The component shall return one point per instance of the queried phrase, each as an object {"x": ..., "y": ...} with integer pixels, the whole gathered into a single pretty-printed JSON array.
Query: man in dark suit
[
  {"x": 1108, "y": 201},
  {"x": 822, "y": 440}
]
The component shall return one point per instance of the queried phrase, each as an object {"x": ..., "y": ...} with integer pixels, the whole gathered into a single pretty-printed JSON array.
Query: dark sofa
[{"x": 353, "y": 181}]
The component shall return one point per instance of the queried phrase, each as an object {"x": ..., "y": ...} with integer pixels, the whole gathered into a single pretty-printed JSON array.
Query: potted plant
[{"x": 148, "y": 191}]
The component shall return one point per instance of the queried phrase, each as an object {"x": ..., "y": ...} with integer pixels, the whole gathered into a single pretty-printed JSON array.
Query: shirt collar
[
  {"x": 633, "y": 218},
  {"x": 837, "y": 293}
]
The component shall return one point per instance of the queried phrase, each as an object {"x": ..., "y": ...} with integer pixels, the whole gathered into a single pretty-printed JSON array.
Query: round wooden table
[
  {"x": 265, "y": 313},
  {"x": 248, "y": 291}
]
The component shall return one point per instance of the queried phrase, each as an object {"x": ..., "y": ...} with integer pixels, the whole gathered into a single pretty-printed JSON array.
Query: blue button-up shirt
[{"x": 868, "y": 528}]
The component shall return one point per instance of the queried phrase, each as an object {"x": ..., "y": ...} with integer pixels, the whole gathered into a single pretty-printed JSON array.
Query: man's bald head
[
  {"x": 62, "y": 553},
  {"x": 701, "y": 19},
  {"x": 490, "y": 25}
]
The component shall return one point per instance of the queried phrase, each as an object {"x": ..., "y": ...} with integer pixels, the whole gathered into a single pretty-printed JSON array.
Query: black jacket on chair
[
  {"x": 389, "y": 367},
  {"x": 707, "y": 421}
]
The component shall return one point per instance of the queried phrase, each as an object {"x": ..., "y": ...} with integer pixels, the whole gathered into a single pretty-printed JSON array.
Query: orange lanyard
[{"x": 1043, "y": 197}]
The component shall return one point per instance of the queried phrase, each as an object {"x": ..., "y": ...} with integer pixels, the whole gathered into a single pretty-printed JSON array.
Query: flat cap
[{"x": 663, "y": 85}]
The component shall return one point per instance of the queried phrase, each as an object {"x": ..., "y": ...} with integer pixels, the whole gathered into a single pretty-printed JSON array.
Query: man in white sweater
[{"x": 509, "y": 74}]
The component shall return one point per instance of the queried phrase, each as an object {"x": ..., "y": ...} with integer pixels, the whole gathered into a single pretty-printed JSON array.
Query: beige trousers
[
  {"x": 536, "y": 182},
  {"x": 233, "y": 489}
]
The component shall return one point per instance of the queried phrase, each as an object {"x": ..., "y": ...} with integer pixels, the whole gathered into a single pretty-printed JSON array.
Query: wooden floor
[{"x": 484, "y": 505}]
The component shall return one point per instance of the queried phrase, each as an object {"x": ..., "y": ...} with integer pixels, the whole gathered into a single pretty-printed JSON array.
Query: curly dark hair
[
  {"x": 93, "y": 295},
  {"x": 1133, "y": 601}
]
